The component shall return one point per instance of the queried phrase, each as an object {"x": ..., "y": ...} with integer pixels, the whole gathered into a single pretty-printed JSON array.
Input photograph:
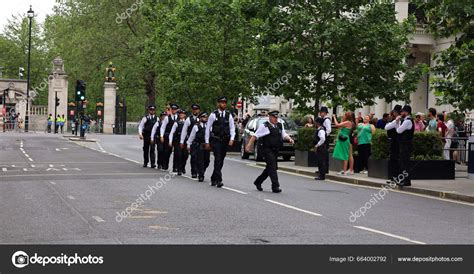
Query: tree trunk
[{"x": 150, "y": 88}]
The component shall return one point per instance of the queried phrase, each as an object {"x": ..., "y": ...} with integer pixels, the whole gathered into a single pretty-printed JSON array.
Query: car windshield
[{"x": 287, "y": 124}]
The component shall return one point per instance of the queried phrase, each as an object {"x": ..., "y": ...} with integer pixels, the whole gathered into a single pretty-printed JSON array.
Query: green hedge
[
  {"x": 305, "y": 139},
  {"x": 426, "y": 146}
]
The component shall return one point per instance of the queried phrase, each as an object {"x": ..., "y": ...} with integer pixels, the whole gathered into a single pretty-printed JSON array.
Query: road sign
[{"x": 239, "y": 104}]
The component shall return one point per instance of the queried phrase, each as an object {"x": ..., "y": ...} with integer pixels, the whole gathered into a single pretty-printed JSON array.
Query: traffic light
[
  {"x": 57, "y": 101},
  {"x": 21, "y": 72},
  {"x": 80, "y": 90}
]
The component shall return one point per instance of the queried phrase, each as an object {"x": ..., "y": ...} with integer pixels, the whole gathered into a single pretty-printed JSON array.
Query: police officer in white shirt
[
  {"x": 187, "y": 127},
  {"x": 144, "y": 132},
  {"x": 165, "y": 130},
  {"x": 324, "y": 114},
  {"x": 195, "y": 144},
  {"x": 271, "y": 135}
]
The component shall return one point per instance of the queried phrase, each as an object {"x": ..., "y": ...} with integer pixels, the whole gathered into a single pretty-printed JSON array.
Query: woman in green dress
[{"x": 342, "y": 148}]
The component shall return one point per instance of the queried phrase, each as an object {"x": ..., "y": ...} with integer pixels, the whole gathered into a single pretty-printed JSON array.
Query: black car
[{"x": 286, "y": 151}]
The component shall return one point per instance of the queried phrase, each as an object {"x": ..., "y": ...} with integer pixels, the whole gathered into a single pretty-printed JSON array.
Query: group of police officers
[{"x": 200, "y": 133}]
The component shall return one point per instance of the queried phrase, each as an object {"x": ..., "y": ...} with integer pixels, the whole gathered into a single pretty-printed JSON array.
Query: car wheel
[
  {"x": 257, "y": 154},
  {"x": 243, "y": 154},
  {"x": 286, "y": 157}
]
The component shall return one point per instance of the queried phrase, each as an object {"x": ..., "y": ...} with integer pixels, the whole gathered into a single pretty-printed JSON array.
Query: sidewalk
[{"x": 460, "y": 189}]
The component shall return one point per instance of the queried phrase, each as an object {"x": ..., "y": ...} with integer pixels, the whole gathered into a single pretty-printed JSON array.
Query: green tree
[
  {"x": 345, "y": 52},
  {"x": 454, "y": 71}
]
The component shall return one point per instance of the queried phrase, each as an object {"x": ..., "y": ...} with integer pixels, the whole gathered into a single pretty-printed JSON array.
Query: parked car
[{"x": 286, "y": 151}]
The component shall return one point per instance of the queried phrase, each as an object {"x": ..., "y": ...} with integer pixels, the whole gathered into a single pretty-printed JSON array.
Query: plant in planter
[
  {"x": 304, "y": 148},
  {"x": 426, "y": 162}
]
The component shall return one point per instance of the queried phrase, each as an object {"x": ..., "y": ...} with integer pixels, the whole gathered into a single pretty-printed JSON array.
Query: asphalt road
[{"x": 53, "y": 191}]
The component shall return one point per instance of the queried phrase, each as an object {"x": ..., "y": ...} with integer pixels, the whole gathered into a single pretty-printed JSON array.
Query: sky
[{"x": 9, "y": 7}]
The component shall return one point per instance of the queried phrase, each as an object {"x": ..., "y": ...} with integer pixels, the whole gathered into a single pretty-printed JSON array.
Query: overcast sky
[{"x": 9, "y": 7}]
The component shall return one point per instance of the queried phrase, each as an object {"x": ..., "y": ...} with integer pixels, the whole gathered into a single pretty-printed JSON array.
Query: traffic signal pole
[{"x": 55, "y": 112}]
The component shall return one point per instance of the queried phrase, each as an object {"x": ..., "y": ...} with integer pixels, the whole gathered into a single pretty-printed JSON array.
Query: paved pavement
[{"x": 57, "y": 191}]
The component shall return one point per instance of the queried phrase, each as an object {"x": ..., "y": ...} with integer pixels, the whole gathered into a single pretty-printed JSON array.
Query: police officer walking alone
[
  {"x": 144, "y": 132},
  {"x": 220, "y": 133},
  {"x": 192, "y": 120},
  {"x": 321, "y": 149},
  {"x": 195, "y": 144},
  {"x": 165, "y": 131},
  {"x": 271, "y": 134}
]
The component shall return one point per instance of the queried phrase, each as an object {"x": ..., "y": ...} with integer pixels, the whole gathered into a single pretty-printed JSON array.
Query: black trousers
[
  {"x": 406, "y": 149},
  {"x": 271, "y": 160},
  {"x": 49, "y": 128},
  {"x": 166, "y": 153},
  {"x": 148, "y": 150},
  {"x": 201, "y": 158},
  {"x": 219, "y": 148},
  {"x": 322, "y": 156},
  {"x": 193, "y": 162},
  {"x": 180, "y": 157},
  {"x": 160, "y": 153},
  {"x": 364, "y": 154},
  {"x": 394, "y": 158}
]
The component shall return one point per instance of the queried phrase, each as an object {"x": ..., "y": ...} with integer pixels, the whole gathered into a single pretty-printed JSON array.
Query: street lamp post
[{"x": 31, "y": 14}]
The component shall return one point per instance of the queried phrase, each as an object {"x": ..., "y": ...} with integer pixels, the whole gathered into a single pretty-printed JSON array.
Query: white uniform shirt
[
  {"x": 192, "y": 135},
  {"x": 327, "y": 124},
  {"x": 143, "y": 122},
  {"x": 186, "y": 125},
  {"x": 263, "y": 131},
  {"x": 164, "y": 123},
  {"x": 173, "y": 130},
  {"x": 322, "y": 137},
  {"x": 155, "y": 128},
  {"x": 211, "y": 120},
  {"x": 406, "y": 125}
]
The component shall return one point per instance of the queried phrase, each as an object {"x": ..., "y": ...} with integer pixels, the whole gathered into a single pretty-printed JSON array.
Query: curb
[
  {"x": 82, "y": 140},
  {"x": 357, "y": 181}
]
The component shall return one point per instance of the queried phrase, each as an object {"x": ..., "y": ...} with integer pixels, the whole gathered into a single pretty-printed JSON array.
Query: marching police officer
[
  {"x": 321, "y": 148},
  {"x": 393, "y": 140},
  {"x": 155, "y": 139},
  {"x": 195, "y": 143},
  {"x": 405, "y": 130},
  {"x": 220, "y": 133},
  {"x": 165, "y": 130},
  {"x": 144, "y": 132},
  {"x": 180, "y": 155},
  {"x": 271, "y": 135},
  {"x": 192, "y": 120}
]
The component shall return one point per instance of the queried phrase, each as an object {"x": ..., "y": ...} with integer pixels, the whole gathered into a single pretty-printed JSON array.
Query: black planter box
[
  {"x": 419, "y": 170},
  {"x": 305, "y": 158}
]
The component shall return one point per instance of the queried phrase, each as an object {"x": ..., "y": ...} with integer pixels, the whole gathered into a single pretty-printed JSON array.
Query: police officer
[
  {"x": 195, "y": 144},
  {"x": 393, "y": 140},
  {"x": 165, "y": 131},
  {"x": 50, "y": 122},
  {"x": 180, "y": 155},
  {"x": 187, "y": 127},
  {"x": 155, "y": 139},
  {"x": 324, "y": 114},
  {"x": 220, "y": 133},
  {"x": 144, "y": 133},
  {"x": 321, "y": 148},
  {"x": 405, "y": 130},
  {"x": 271, "y": 135},
  {"x": 63, "y": 121}
]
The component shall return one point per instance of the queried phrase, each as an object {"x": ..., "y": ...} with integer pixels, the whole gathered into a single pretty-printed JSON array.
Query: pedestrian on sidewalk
[
  {"x": 449, "y": 134},
  {"x": 180, "y": 155},
  {"x": 220, "y": 134},
  {"x": 144, "y": 133},
  {"x": 155, "y": 139},
  {"x": 365, "y": 130},
  {"x": 192, "y": 120},
  {"x": 405, "y": 129},
  {"x": 321, "y": 149},
  {"x": 271, "y": 135},
  {"x": 432, "y": 123},
  {"x": 419, "y": 125},
  {"x": 342, "y": 148},
  {"x": 394, "y": 154},
  {"x": 381, "y": 123},
  {"x": 165, "y": 130},
  {"x": 195, "y": 143}
]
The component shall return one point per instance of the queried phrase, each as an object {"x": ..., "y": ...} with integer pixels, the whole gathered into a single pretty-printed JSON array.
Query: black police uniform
[
  {"x": 148, "y": 148},
  {"x": 220, "y": 137},
  {"x": 166, "y": 148},
  {"x": 180, "y": 155},
  {"x": 322, "y": 153},
  {"x": 271, "y": 144},
  {"x": 192, "y": 121},
  {"x": 199, "y": 155},
  {"x": 159, "y": 146},
  {"x": 405, "y": 140}
]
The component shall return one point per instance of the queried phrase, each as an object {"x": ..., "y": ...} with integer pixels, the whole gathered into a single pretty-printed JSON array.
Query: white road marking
[
  {"x": 389, "y": 234},
  {"x": 70, "y": 197},
  {"x": 53, "y": 183},
  {"x": 57, "y": 149},
  {"x": 4, "y": 169},
  {"x": 130, "y": 160},
  {"x": 294, "y": 208},
  {"x": 100, "y": 147},
  {"x": 234, "y": 190},
  {"x": 189, "y": 177},
  {"x": 28, "y": 156},
  {"x": 31, "y": 160},
  {"x": 113, "y": 154},
  {"x": 98, "y": 219},
  {"x": 32, "y": 165}
]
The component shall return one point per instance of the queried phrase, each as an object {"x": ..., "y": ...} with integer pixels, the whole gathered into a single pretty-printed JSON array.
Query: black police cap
[
  {"x": 174, "y": 106},
  {"x": 151, "y": 107},
  {"x": 195, "y": 106},
  {"x": 324, "y": 109},
  {"x": 407, "y": 108},
  {"x": 397, "y": 108},
  {"x": 319, "y": 120},
  {"x": 222, "y": 99},
  {"x": 204, "y": 114},
  {"x": 274, "y": 113}
]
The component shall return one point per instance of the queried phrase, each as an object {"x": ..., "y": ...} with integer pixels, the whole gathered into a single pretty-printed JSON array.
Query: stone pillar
[
  {"x": 58, "y": 83},
  {"x": 401, "y": 9},
  {"x": 110, "y": 96},
  {"x": 380, "y": 107}
]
